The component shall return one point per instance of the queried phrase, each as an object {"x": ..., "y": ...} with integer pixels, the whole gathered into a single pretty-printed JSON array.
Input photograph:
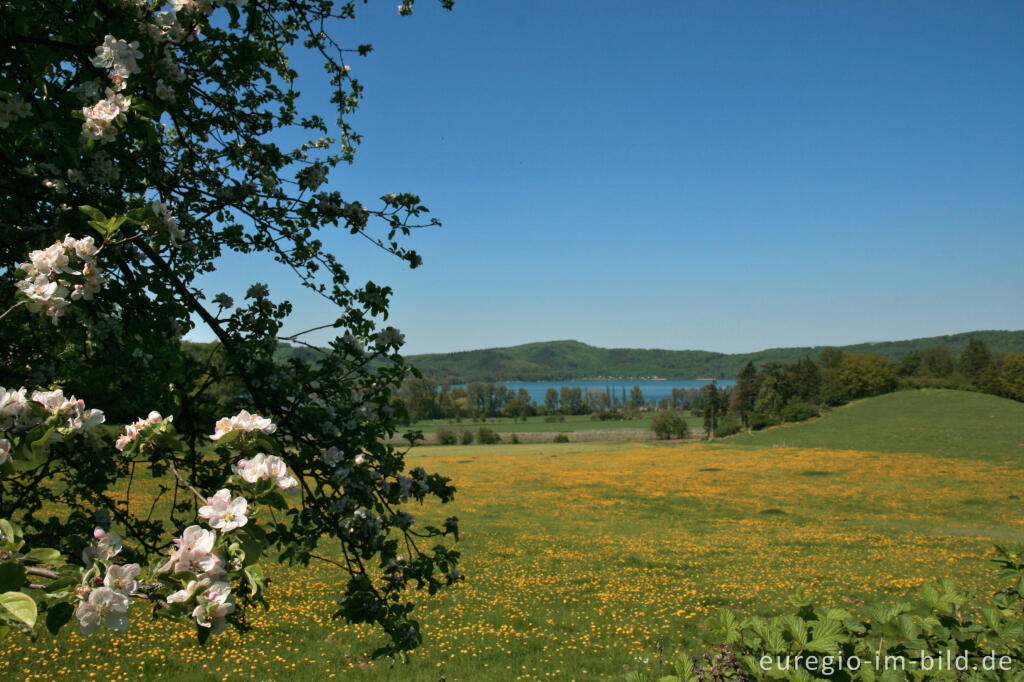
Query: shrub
[
  {"x": 796, "y": 411},
  {"x": 554, "y": 418},
  {"x": 607, "y": 416},
  {"x": 515, "y": 437},
  {"x": 727, "y": 426},
  {"x": 486, "y": 436},
  {"x": 561, "y": 438},
  {"x": 669, "y": 424},
  {"x": 760, "y": 420},
  {"x": 446, "y": 437},
  {"x": 915, "y": 637},
  {"x": 466, "y": 437}
]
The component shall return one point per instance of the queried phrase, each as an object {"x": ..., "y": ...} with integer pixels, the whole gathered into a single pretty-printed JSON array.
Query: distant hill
[
  {"x": 558, "y": 360},
  {"x": 932, "y": 421}
]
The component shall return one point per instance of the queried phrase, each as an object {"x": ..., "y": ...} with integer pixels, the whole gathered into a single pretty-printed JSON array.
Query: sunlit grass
[{"x": 581, "y": 557}]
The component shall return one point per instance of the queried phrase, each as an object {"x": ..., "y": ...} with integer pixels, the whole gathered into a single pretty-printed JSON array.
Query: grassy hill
[
  {"x": 937, "y": 422},
  {"x": 555, "y": 360}
]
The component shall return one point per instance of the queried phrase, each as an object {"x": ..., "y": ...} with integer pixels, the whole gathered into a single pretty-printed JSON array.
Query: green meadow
[{"x": 582, "y": 559}]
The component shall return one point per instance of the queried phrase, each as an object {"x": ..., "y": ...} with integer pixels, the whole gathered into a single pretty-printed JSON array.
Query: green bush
[
  {"x": 486, "y": 436},
  {"x": 669, "y": 424},
  {"x": 446, "y": 437},
  {"x": 551, "y": 418},
  {"x": 895, "y": 641},
  {"x": 954, "y": 381},
  {"x": 727, "y": 426},
  {"x": 607, "y": 416},
  {"x": 760, "y": 420},
  {"x": 796, "y": 411},
  {"x": 561, "y": 438},
  {"x": 466, "y": 437}
]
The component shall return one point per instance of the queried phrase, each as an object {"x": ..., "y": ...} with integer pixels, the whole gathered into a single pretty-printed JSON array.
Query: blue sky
[{"x": 727, "y": 176}]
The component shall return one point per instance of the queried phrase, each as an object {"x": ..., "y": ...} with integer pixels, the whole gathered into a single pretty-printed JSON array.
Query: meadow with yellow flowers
[{"x": 584, "y": 559}]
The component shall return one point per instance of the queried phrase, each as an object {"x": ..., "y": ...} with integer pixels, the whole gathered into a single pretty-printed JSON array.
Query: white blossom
[
  {"x": 102, "y": 118},
  {"x": 103, "y": 605},
  {"x": 224, "y": 513},
  {"x": 243, "y": 421},
  {"x": 122, "y": 578},
  {"x": 131, "y": 431},
  {"x": 14, "y": 409},
  {"x": 12, "y": 107},
  {"x": 263, "y": 467},
  {"x": 118, "y": 55}
]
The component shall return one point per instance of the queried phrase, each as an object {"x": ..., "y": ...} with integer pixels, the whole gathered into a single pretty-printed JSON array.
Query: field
[
  {"x": 581, "y": 557},
  {"x": 572, "y": 422}
]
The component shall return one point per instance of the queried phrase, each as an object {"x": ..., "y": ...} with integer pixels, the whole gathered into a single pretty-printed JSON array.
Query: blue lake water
[{"x": 653, "y": 390}]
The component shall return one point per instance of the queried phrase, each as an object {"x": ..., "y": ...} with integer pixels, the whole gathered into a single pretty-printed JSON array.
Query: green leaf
[
  {"x": 12, "y": 575},
  {"x": 12, "y": 533},
  {"x": 58, "y": 615},
  {"x": 44, "y": 555},
  {"x": 93, "y": 213},
  {"x": 20, "y": 606},
  {"x": 253, "y": 575},
  {"x": 684, "y": 667}
]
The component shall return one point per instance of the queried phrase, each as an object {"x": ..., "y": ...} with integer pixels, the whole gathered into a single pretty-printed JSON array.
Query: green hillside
[
  {"x": 556, "y": 360},
  {"x": 937, "y": 422}
]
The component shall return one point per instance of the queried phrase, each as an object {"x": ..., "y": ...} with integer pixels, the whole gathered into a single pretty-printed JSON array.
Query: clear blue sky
[{"x": 719, "y": 175}]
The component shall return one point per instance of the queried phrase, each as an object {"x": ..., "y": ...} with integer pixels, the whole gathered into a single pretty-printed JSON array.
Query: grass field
[
  {"x": 582, "y": 556},
  {"x": 572, "y": 422},
  {"x": 935, "y": 421}
]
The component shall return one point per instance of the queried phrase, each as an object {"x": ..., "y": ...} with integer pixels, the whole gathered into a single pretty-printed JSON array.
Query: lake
[{"x": 653, "y": 390}]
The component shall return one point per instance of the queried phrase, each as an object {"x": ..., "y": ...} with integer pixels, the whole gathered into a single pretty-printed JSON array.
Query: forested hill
[{"x": 557, "y": 360}]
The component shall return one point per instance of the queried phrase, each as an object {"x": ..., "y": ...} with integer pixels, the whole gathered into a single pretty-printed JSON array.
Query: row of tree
[{"x": 770, "y": 394}]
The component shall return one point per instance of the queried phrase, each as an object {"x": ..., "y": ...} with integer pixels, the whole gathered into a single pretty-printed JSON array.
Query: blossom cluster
[
  {"x": 194, "y": 553},
  {"x": 166, "y": 220},
  {"x": 46, "y": 283},
  {"x": 103, "y": 118},
  {"x": 109, "y": 603},
  {"x": 12, "y": 107},
  {"x": 120, "y": 57},
  {"x": 263, "y": 467},
  {"x": 71, "y": 410},
  {"x": 16, "y": 410},
  {"x": 244, "y": 422},
  {"x": 132, "y": 430}
]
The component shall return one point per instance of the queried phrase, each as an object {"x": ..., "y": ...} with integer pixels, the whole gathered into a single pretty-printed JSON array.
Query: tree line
[{"x": 764, "y": 395}]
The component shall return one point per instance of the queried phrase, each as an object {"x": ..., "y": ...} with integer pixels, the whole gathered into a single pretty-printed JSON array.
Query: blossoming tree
[{"x": 141, "y": 141}]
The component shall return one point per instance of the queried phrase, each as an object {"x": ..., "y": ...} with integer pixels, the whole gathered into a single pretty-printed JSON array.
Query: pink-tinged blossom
[
  {"x": 72, "y": 409},
  {"x": 183, "y": 595},
  {"x": 46, "y": 284},
  {"x": 12, "y": 107},
  {"x": 131, "y": 431},
  {"x": 106, "y": 606},
  {"x": 108, "y": 545},
  {"x": 122, "y": 578},
  {"x": 119, "y": 56},
  {"x": 194, "y": 546},
  {"x": 245, "y": 422},
  {"x": 102, "y": 118},
  {"x": 262, "y": 467},
  {"x": 213, "y": 607},
  {"x": 14, "y": 410},
  {"x": 224, "y": 513}
]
